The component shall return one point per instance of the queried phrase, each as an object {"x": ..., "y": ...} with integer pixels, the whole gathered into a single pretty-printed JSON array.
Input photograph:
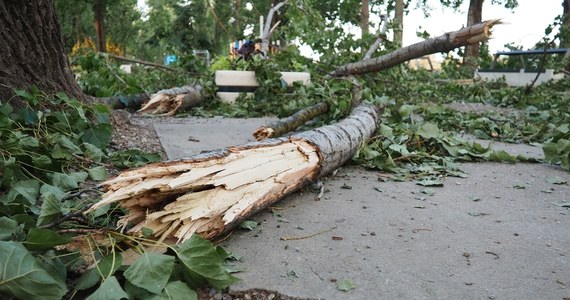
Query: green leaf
[
  {"x": 203, "y": 262},
  {"x": 42, "y": 161},
  {"x": 176, "y": 290},
  {"x": 247, "y": 224},
  {"x": 23, "y": 277},
  {"x": 68, "y": 181},
  {"x": 556, "y": 180},
  {"x": 151, "y": 271},
  {"x": 50, "y": 210},
  {"x": 39, "y": 238},
  {"x": 99, "y": 135},
  {"x": 345, "y": 285},
  {"x": 88, "y": 280},
  {"x": 429, "y": 130},
  {"x": 110, "y": 289},
  {"x": 29, "y": 189},
  {"x": 428, "y": 182},
  {"x": 66, "y": 143},
  {"x": 109, "y": 264},
  {"x": 97, "y": 173},
  {"x": 8, "y": 229},
  {"x": 502, "y": 156},
  {"x": 93, "y": 152},
  {"x": 26, "y": 141}
]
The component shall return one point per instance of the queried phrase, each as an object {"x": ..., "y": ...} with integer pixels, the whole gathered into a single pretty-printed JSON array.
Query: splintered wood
[
  {"x": 177, "y": 199},
  {"x": 168, "y": 102}
]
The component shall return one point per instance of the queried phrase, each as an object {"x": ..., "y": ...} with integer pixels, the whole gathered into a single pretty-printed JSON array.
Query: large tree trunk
[
  {"x": 474, "y": 16},
  {"x": 444, "y": 43},
  {"x": 212, "y": 192},
  {"x": 32, "y": 52}
]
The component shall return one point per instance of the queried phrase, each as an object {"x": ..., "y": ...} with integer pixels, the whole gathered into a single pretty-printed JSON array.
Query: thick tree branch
[
  {"x": 268, "y": 30},
  {"x": 444, "y": 43},
  {"x": 212, "y": 192}
]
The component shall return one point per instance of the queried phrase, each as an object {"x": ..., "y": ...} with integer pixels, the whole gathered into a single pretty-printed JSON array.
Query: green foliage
[
  {"x": 41, "y": 142},
  {"x": 24, "y": 277},
  {"x": 102, "y": 77},
  {"x": 50, "y": 150}
]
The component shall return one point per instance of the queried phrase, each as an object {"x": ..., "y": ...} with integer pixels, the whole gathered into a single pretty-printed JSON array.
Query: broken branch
[
  {"x": 212, "y": 192},
  {"x": 444, "y": 43}
]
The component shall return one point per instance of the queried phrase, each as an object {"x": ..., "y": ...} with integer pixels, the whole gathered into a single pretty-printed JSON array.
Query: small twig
[
  {"x": 493, "y": 253},
  {"x": 540, "y": 68},
  {"x": 84, "y": 230},
  {"x": 315, "y": 272},
  {"x": 321, "y": 190},
  {"x": 295, "y": 238},
  {"x": 73, "y": 215}
]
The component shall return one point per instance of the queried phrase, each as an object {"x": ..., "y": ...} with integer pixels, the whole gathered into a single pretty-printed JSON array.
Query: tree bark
[
  {"x": 565, "y": 32},
  {"x": 99, "y": 12},
  {"x": 211, "y": 193},
  {"x": 290, "y": 123},
  {"x": 443, "y": 43},
  {"x": 399, "y": 20},
  {"x": 474, "y": 16},
  {"x": 32, "y": 51},
  {"x": 364, "y": 16}
]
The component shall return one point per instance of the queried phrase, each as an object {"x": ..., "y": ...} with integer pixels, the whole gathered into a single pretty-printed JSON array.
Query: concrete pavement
[{"x": 500, "y": 233}]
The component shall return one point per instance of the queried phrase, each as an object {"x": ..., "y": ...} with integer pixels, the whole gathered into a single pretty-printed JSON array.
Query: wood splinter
[{"x": 212, "y": 192}]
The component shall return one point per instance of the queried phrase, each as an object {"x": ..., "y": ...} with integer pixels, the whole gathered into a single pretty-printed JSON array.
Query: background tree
[{"x": 474, "y": 16}]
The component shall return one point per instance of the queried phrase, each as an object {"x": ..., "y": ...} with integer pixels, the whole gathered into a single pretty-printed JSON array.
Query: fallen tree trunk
[
  {"x": 168, "y": 102},
  {"x": 134, "y": 101},
  {"x": 444, "y": 43},
  {"x": 290, "y": 123},
  {"x": 211, "y": 193}
]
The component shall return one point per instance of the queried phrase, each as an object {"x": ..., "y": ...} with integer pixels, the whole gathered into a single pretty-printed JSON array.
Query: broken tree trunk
[
  {"x": 288, "y": 124},
  {"x": 444, "y": 43},
  {"x": 447, "y": 42},
  {"x": 168, "y": 102},
  {"x": 211, "y": 193},
  {"x": 133, "y": 101}
]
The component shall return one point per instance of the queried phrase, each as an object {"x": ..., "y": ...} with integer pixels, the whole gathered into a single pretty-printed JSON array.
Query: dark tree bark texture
[
  {"x": 32, "y": 52},
  {"x": 474, "y": 16},
  {"x": 99, "y": 11}
]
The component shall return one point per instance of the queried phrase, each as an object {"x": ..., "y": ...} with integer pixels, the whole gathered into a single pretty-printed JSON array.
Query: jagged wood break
[
  {"x": 443, "y": 43},
  {"x": 168, "y": 102},
  {"x": 212, "y": 192}
]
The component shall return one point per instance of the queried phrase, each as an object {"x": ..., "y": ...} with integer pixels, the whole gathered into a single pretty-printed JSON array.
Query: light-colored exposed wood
[
  {"x": 168, "y": 102},
  {"x": 212, "y": 192}
]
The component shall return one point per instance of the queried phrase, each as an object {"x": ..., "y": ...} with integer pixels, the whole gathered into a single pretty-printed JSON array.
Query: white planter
[
  {"x": 519, "y": 78},
  {"x": 232, "y": 83}
]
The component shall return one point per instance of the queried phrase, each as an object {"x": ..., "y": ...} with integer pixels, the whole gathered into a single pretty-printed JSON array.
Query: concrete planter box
[
  {"x": 517, "y": 77},
  {"x": 232, "y": 83}
]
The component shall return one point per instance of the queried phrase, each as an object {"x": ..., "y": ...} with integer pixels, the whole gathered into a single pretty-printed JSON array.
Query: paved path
[{"x": 498, "y": 234}]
